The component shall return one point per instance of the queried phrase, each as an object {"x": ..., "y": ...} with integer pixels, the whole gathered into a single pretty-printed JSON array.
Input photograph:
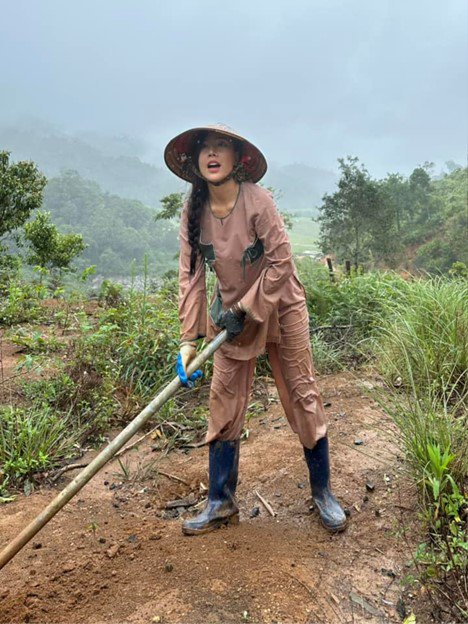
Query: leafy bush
[
  {"x": 436, "y": 256},
  {"x": 350, "y": 308},
  {"x": 111, "y": 294},
  {"x": 20, "y": 302}
]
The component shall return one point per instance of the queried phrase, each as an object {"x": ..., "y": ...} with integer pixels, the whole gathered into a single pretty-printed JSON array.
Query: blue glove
[{"x": 180, "y": 370}]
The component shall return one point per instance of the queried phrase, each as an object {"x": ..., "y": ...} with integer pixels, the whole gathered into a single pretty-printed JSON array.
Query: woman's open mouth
[{"x": 214, "y": 166}]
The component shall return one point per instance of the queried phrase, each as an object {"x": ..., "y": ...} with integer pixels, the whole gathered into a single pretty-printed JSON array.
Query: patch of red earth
[{"x": 113, "y": 555}]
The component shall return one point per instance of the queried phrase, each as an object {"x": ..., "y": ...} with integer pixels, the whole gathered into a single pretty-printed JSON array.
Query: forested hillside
[
  {"x": 120, "y": 172},
  {"x": 416, "y": 222},
  {"x": 116, "y": 230}
]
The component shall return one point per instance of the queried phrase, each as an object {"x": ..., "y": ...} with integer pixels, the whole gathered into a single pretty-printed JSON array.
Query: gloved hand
[
  {"x": 232, "y": 321},
  {"x": 187, "y": 352}
]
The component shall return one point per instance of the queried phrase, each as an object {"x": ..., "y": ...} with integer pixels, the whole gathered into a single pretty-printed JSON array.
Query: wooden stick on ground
[
  {"x": 266, "y": 504},
  {"x": 60, "y": 472}
]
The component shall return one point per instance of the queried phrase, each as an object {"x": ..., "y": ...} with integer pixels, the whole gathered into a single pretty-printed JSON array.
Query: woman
[{"x": 231, "y": 225}]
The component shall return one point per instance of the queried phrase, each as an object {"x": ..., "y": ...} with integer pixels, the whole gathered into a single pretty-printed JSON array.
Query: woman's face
[{"x": 217, "y": 157}]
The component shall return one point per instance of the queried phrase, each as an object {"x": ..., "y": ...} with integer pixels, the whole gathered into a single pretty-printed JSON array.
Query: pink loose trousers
[{"x": 293, "y": 371}]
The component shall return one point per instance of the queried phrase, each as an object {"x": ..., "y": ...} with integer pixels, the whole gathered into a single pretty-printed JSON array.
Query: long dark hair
[{"x": 198, "y": 198}]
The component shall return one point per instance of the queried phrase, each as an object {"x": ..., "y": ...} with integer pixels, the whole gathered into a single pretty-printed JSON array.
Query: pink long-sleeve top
[{"x": 250, "y": 254}]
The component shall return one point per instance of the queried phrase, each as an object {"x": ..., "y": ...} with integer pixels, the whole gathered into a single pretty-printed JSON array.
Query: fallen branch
[
  {"x": 60, "y": 472},
  {"x": 266, "y": 504},
  {"x": 173, "y": 477}
]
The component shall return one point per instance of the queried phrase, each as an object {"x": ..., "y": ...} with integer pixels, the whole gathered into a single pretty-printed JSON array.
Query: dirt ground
[{"x": 116, "y": 553}]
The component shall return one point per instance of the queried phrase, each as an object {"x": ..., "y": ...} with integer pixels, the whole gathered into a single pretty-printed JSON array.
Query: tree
[
  {"x": 21, "y": 188},
  {"x": 348, "y": 216},
  {"x": 420, "y": 187},
  {"x": 50, "y": 249},
  {"x": 172, "y": 206}
]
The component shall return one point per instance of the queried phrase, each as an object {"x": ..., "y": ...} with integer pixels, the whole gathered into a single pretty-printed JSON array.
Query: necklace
[{"x": 229, "y": 211}]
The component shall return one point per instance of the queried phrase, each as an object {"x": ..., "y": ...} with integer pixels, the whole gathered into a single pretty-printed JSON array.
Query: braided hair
[{"x": 198, "y": 198}]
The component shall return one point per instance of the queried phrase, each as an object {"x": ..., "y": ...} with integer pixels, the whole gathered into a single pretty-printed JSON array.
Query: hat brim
[{"x": 179, "y": 149}]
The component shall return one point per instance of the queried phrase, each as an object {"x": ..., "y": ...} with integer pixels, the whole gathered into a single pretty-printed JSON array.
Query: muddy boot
[
  {"x": 221, "y": 507},
  {"x": 318, "y": 461}
]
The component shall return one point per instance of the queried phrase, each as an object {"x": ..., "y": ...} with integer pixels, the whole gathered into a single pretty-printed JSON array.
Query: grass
[
  {"x": 421, "y": 348},
  {"x": 32, "y": 440},
  {"x": 304, "y": 235}
]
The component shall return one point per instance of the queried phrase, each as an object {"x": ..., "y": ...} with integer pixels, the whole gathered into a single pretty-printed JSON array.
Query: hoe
[{"x": 104, "y": 456}]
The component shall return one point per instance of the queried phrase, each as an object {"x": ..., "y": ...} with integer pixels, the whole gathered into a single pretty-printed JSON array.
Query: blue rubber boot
[
  {"x": 318, "y": 461},
  {"x": 221, "y": 507}
]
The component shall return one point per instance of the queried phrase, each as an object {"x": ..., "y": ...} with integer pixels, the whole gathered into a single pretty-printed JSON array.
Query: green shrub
[
  {"x": 35, "y": 342},
  {"x": 20, "y": 302},
  {"x": 436, "y": 256},
  {"x": 111, "y": 294}
]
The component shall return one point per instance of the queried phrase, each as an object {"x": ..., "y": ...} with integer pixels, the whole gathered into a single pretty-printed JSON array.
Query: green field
[{"x": 304, "y": 235}]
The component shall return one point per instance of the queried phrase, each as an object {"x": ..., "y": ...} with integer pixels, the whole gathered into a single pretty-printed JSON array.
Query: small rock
[
  {"x": 327, "y": 404},
  {"x": 156, "y": 619},
  {"x": 131, "y": 556},
  {"x": 347, "y": 512},
  {"x": 365, "y": 499},
  {"x": 378, "y": 513},
  {"x": 168, "y": 567},
  {"x": 112, "y": 551},
  {"x": 37, "y": 545},
  {"x": 132, "y": 538},
  {"x": 370, "y": 487},
  {"x": 301, "y": 485},
  {"x": 106, "y": 482},
  {"x": 155, "y": 536},
  {"x": 68, "y": 567},
  {"x": 254, "y": 512},
  {"x": 358, "y": 442},
  {"x": 102, "y": 540}
]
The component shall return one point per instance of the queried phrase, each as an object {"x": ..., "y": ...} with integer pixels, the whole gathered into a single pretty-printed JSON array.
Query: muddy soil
[{"x": 116, "y": 554}]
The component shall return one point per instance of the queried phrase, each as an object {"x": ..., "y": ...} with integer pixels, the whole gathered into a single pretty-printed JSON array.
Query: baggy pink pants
[{"x": 293, "y": 371}]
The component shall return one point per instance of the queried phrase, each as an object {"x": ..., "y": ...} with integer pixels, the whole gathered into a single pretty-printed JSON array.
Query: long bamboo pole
[{"x": 104, "y": 456}]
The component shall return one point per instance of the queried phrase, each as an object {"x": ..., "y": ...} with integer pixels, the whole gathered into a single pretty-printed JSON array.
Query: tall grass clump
[
  {"x": 421, "y": 351},
  {"x": 423, "y": 339},
  {"x": 32, "y": 440}
]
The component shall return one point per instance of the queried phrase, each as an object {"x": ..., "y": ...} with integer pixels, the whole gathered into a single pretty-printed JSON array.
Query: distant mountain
[
  {"x": 120, "y": 174},
  {"x": 301, "y": 187},
  {"x": 115, "y": 164}
]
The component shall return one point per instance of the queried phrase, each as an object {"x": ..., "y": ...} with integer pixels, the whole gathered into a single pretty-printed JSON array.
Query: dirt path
[{"x": 115, "y": 555}]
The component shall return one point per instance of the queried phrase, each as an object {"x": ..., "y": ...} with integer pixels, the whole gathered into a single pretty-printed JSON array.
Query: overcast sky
[{"x": 307, "y": 80}]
